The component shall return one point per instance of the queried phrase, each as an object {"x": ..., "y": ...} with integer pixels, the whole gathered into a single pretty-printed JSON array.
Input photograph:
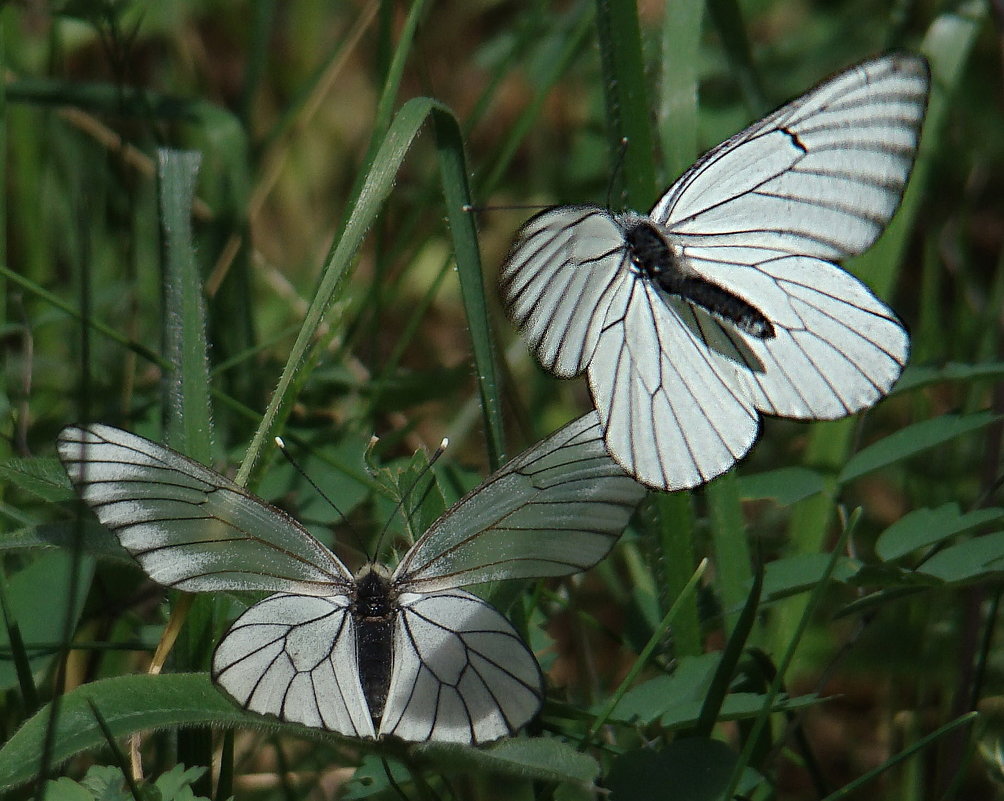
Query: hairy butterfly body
[
  {"x": 402, "y": 652},
  {"x": 726, "y": 301}
]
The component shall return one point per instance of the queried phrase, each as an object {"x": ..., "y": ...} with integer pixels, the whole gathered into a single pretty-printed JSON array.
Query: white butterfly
[
  {"x": 726, "y": 301},
  {"x": 403, "y": 653}
]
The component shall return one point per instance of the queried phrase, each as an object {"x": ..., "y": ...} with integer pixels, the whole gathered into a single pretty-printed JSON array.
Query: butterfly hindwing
[
  {"x": 726, "y": 302},
  {"x": 671, "y": 416},
  {"x": 296, "y": 657},
  {"x": 461, "y": 672}
]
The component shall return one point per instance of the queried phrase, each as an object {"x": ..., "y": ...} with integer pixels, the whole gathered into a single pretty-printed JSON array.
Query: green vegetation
[{"x": 329, "y": 284}]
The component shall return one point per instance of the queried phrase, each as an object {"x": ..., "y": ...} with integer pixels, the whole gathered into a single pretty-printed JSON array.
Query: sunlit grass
[{"x": 347, "y": 293}]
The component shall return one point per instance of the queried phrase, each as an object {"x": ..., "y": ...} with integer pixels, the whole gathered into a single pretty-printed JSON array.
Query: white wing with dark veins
[
  {"x": 188, "y": 526},
  {"x": 296, "y": 657},
  {"x": 460, "y": 674},
  {"x": 555, "y": 509}
]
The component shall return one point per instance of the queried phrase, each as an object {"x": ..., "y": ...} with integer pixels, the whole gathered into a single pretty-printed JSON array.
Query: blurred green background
[{"x": 328, "y": 285}]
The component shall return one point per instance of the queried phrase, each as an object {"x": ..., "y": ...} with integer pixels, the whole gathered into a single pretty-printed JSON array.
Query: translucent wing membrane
[
  {"x": 673, "y": 417},
  {"x": 679, "y": 380},
  {"x": 557, "y": 279},
  {"x": 819, "y": 177},
  {"x": 295, "y": 657},
  {"x": 461, "y": 672},
  {"x": 188, "y": 526},
  {"x": 316, "y": 653},
  {"x": 555, "y": 509}
]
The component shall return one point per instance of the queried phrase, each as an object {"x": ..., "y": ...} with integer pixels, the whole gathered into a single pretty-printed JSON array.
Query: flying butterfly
[
  {"x": 402, "y": 653},
  {"x": 726, "y": 301}
]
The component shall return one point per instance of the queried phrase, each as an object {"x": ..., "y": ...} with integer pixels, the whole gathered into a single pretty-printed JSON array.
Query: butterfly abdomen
[
  {"x": 653, "y": 257},
  {"x": 374, "y": 614}
]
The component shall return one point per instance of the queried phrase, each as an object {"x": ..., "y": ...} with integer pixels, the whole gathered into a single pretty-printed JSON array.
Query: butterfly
[
  {"x": 402, "y": 653},
  {"x": 726, "y": 301}
]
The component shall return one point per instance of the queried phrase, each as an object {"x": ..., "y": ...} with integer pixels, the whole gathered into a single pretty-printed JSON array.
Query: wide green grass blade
[
  {"x": 457, "y": 196},
  {"x": 627, "y": 102},
  {"x": 378, "y": 183},
  {"x": 679, "y": 82},
  {"x": 189, "y": 419},
  {"x": 188, "y": 413},
  {"x": 912, "y": 440}
]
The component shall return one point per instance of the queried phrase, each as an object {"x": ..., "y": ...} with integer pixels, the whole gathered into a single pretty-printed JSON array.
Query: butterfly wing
[
  {"x": 820, "y": 177},
  {"x": 461, "y": 673},
  {"x": 765, "y": 213},
  {"x": 762, "y": 216},
  {"x": 558, "y": 278},
  {"x": 188, "y": 526},
  {"x": 555, "y": 509},
  {"x": 296, "y": 657},
  {"x": 836, "y": 347},
  {"x": 671, "y": 415}
]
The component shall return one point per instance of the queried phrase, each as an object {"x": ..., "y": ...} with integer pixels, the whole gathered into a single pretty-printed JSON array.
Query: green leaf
[
  {"x": 43, "y": 478},
  {"x": 980, "y": 558},
  {"x": 651, "y": 699},
  {"x": 95, "y": 540},
  {"x": 41, "y": 616},
  {"x": 65, "y": 789},
  {"x": 106, "y": 783},
  {"x": 924, "y": 527},
  {"x": 923, "y": 375},
  {"x": 801, "y": 572},
  {"x": 912, "y": 440},
  {"x": 690, "y": 769},
  {"x": 370, "y": 778},
  {"x": 129, "y": 704},
  {"x": 177, "y": 782},
  {"x": 457, "y": 196},
  {"x": 189, "y": 421},
  {"x": 541, "y": 758},
  {"x": 786, "y": 485}
]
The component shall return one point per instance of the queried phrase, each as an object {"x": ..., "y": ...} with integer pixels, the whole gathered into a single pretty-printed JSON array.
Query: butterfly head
[
  {"x": 651, "y": 255},
  {"x": 374, "y": 595}
]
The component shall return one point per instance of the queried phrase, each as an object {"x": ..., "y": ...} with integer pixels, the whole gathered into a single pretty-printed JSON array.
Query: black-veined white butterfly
[
  {"x": 404, "y": 653},
  {"x": 726, "y": 301}
]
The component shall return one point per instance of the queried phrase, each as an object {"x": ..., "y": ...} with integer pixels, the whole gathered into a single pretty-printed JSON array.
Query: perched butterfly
[
  {"x": 403, "y": 653},
  {"x": 726, "y": 301}
]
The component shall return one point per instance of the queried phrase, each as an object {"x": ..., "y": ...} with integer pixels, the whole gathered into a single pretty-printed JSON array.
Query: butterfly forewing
[
  {"x": 560, "y": 271},
  {"x": 724, "y": 302},
  {"x": 461, "y": 672},
  {"x": 555, "y": 509},
  {"x": 316, "y": 653},
  {"x": 188, "y": 526},
  {"x": 819, "y": 177}
]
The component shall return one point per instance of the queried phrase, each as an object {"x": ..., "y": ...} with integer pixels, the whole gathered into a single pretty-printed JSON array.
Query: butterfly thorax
[
  {"x": 655, "y": 258},
  {"x": 373, "y": 610},
  {"x": 651, "y": 254}
]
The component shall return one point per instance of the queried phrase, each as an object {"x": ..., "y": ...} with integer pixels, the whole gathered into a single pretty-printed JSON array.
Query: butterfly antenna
[
  {"x": 617, "y": 171},
  {"x": 296, "y": 466},
  {"x": 470, "y": 209},
  {"x": 407, "y": 493}
]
